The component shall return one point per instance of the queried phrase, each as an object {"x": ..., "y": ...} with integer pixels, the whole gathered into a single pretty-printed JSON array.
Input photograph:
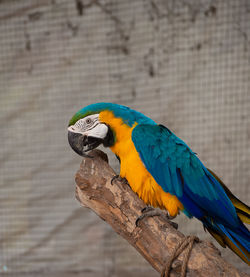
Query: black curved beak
[{"x": 82, "y": 143}]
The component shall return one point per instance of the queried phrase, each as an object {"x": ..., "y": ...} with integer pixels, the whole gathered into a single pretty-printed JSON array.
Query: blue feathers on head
[{"x": 128, "y": 115}]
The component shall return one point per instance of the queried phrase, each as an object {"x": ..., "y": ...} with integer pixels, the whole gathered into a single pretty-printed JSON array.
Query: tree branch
[{"x": 155, "y": 238}]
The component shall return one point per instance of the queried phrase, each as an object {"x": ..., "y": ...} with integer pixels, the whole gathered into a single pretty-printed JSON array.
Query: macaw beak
[{"x": 82, "y": 143}]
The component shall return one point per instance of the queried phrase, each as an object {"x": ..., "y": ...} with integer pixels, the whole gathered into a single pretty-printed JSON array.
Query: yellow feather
[
  {"x": 237, "y": 251},
  {"x": 225, "y": 241}
]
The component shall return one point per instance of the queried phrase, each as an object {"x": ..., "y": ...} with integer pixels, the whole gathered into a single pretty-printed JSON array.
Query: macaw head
[{"x": 87, "y": 130}]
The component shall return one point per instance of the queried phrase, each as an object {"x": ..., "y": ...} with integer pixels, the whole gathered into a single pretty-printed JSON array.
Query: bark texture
[{"x": 154, "y": 238}]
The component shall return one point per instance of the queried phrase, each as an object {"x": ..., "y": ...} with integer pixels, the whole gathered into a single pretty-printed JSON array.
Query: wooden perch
[{"x": 155, "y": 238}]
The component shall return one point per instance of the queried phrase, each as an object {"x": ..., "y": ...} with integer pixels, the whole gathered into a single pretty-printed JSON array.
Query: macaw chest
[{"x": 143, "y": 183}]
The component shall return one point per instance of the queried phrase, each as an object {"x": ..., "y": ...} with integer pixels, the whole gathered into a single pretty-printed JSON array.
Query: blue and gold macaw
[{"x": 163, "y": 170}]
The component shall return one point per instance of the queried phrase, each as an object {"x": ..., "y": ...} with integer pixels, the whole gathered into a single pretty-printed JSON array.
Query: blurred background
[{"x": 184, "y": 63}]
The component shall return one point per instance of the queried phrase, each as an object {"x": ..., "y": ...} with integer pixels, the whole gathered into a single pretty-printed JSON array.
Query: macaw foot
[
  {"x": 150, "y": 212},
  {"x": 120, "y": 179}
]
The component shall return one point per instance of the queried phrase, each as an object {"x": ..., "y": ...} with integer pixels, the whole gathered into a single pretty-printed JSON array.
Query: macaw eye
[{"x": 88, "y": 121}]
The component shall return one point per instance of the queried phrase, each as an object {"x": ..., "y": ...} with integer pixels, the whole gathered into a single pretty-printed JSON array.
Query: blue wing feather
[{"x": 179, "y": 171}]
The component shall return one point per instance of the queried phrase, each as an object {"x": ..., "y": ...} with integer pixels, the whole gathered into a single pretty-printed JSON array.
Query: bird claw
[
  {"x": 150, "y": 212},
  {"x": 147, "y": 209},
  {"x": 118, "y": 178}
]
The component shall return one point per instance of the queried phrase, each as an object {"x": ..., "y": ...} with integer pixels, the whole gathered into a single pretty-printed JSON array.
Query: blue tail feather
[{"x": 238, "y": 239}]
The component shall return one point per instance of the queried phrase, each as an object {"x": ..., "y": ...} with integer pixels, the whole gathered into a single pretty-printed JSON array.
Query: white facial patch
[
  {"x": 100, "y": 131},
  {"x": 90, "y": 126}
]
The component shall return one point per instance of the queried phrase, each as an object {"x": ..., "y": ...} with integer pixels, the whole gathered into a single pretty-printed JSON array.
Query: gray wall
[{"x": 184, "y": 63}]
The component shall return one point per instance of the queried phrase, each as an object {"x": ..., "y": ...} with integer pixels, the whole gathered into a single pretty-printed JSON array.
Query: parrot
[{"x": 163, "y": 171}]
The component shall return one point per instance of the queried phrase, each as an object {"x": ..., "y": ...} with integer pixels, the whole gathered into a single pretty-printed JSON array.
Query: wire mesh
[{"x": 184, "y": 63}]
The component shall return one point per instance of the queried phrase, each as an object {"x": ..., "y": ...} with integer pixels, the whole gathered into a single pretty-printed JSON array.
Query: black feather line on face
[{"x": 109, "y": 140}]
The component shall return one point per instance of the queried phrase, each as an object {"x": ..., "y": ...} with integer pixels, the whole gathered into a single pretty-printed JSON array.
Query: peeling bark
[{"x": 155, "y": 238}]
